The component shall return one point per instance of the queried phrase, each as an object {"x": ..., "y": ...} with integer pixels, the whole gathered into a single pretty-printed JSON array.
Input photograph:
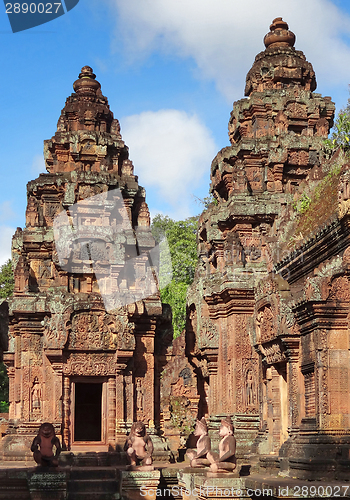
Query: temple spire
[{"x": 280, "y": 65}]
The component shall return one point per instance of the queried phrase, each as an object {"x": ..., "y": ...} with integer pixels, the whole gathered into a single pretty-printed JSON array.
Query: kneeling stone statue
[
  {"x": 198, "y": 457},
  {"x": 226, "y": 460}
]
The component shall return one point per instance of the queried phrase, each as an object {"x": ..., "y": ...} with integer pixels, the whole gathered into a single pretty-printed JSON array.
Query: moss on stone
[{"x": 321, "y": 208}]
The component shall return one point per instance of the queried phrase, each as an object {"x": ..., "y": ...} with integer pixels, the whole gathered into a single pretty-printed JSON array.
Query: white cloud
[
  {"x": 38, "y": 164},
  {"x": 171, "y": 151},
  {"x": 224, "y": 36},
  {"x": 6, "y": 234}
]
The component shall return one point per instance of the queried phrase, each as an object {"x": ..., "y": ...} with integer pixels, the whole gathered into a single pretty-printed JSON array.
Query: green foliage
[
  {"x": 6, "y": 289},
  {"x": 174, "y": 294},
  {"x": 181, "y": 237},
  {"x": 207, "y": 201},
  {"x": 320, "y": 206},
  {"x": 302, "y": 204},
  {"x": 4, "y": 389},
  {"x": 7, "y": 281},
  {"x": 181, "y": 417},
  {"x": 341, "y": 134}
]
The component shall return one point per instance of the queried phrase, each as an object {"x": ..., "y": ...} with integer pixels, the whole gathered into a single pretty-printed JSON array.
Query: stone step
[
  {"x": 14, "y": 489},
  {"x": 94, "y": 473},
  {"x": 93, "y": 485},
  {"x": 92, "y": 496},
  {"x": 91, "y": 459}
]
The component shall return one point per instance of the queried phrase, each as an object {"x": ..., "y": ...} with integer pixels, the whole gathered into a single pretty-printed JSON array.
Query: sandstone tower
[
  {"x": 268, "y": 310},
  {"x": 77, "y": 357}
]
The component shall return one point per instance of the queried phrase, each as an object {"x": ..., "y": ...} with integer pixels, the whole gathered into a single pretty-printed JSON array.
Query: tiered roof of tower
[
  {"x": 88, "y": 137},
  {"x": 276, "y": 134}
]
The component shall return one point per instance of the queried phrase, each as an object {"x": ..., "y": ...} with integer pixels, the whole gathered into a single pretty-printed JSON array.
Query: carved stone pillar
[
  {"x": 293, "y": 377},
  {"x": 120, "y": 416},
  {"x": 111, "y": 424},
  {"x": 129, "y": 399},
  {"x": 55, "y": 358},
  {"x": 66, "y": 412}
]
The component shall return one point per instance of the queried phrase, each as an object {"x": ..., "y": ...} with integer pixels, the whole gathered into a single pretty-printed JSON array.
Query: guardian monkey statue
[
  {"x": 198, "y": 457},
  {"x": 139, "y": 446},
  {"x": 226, "y": 460},
  {"x": 42, "y": 446}
]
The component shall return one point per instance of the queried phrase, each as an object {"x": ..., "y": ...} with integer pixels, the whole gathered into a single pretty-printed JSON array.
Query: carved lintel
[{"x": 90, "y": 364}]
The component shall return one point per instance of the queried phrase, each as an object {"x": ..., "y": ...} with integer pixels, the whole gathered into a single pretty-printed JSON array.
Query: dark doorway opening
[{"x": 87, "y": 412}]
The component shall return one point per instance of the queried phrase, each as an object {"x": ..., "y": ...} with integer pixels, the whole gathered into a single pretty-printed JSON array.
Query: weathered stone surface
[
  {"x": 268, "y": 329},
  {"x": 76, "y": 356},
  {"x": 179, "y": 398},
  {"x": 140, "y": 484}
]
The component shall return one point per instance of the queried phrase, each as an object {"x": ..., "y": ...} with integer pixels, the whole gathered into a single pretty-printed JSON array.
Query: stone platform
[{"x": 172, "y": 481}]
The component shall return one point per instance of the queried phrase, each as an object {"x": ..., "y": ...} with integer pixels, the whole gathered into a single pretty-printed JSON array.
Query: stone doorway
[{"x": 88, "y": 413}]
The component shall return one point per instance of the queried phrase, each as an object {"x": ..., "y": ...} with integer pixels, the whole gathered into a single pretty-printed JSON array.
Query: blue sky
[{"x": 171, "y": 70}]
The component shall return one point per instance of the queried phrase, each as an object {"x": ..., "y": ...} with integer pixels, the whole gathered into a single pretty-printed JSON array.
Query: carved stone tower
[
  {"x": 83, "y": 318},
  {"x": 244, "y": 361}
]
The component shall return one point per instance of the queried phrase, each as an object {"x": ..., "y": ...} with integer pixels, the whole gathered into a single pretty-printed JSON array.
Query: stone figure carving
[
  {"x": 139, "y": 446},
  {"x": 250, "y": 388},
  {"x": 226, "y": 460},
  {"x": 139, "y": 395},
  {"x": 198, "y": 457},
  {"x": 36, "y": 396},
  {"x": 42, "y": 446}
]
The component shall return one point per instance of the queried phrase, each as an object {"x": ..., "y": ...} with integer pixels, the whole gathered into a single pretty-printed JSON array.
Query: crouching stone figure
[
  {"x": 139, "y": 446},
  {"x": 42, "y": 446}
]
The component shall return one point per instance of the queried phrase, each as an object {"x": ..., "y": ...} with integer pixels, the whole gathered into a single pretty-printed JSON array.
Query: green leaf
[
  {"x": 181, "y": 236},
  {"x": 7, "y": 281}
]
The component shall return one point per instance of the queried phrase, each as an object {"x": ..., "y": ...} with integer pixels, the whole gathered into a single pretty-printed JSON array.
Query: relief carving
[
  {"x": 139, "y": 395},
  {"x": 36, "y": 398},
  {"x": 340, "y": 289},
  {"x": 92, "y": 330},
  {"x": 265, "y": 326},
  {"x": 250, "y": 389},
  {"x": 88, "y": 364},
  {"x": 209, "y": 336},
  {"x": 274, "y": 353}
]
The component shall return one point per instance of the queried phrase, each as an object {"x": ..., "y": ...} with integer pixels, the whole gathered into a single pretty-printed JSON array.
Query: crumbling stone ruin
[
  {"x": 76, "y": 358},
  {"x": 268, "y": 331}
]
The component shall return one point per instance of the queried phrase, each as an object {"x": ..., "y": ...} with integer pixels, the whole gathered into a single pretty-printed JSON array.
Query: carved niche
[
  {"x": 250, "y": 393},
  {"x": 36, "y": 398},
  {"x": 265, "y": 326}
]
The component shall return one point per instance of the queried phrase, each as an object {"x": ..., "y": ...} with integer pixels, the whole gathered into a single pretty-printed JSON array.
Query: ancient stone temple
[
  {"x": 86, "y": 310},
  {"x": 268, "y": 331}
]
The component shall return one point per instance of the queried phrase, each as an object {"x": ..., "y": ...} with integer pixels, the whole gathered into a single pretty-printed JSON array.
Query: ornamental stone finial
[
  {"x": 86, "y": 82},
  {"x": 279, "y": 35}
]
